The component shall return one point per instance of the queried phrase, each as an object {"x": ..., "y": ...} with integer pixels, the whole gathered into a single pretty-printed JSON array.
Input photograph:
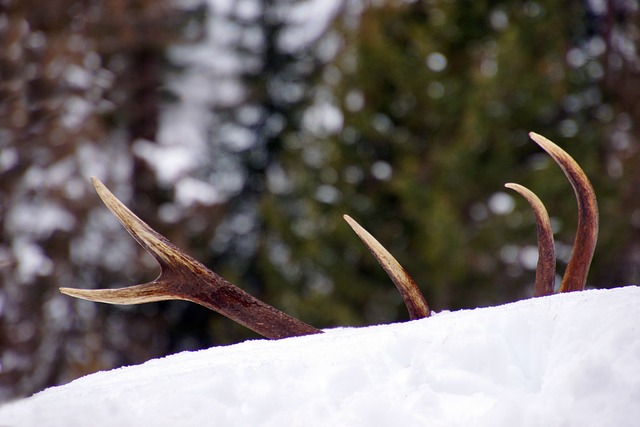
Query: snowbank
[{"x": 565, "y": 360}]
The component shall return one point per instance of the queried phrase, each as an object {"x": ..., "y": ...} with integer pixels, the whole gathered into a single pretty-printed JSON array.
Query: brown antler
[
  {"x": 413, "y": 298},
  {"x": 184, "y": 278},
  {"x": 546, "y": 268},
  {"x": 575, "y": 276}
]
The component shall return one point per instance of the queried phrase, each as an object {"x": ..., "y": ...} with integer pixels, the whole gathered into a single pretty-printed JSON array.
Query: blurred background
[{"x": 243, "y": 131}]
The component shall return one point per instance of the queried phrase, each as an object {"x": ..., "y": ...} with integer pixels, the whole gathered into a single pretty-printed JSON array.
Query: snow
[{"x": 564, "y": 360}]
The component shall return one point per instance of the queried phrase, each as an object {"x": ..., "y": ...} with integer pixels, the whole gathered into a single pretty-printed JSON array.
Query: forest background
[{"x": 244, "y": 130}]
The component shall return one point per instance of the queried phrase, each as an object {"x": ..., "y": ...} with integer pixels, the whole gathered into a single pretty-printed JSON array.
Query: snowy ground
[{"x": 565, "y": 360}]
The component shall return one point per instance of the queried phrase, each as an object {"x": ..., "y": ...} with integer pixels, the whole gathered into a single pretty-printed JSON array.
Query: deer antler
[
  {"x": 546, "y": 268},
  {"x": 184, "y": 278},
  {"x": 413, "y": 298},
  {"x": 575, "y": 276}
]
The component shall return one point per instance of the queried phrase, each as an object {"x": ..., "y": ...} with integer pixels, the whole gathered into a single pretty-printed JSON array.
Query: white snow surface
[{"x": 564, "y": 360}]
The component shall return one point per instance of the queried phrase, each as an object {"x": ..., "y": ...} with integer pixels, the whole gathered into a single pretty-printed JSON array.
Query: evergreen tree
[{"x": 437, "y": 99}]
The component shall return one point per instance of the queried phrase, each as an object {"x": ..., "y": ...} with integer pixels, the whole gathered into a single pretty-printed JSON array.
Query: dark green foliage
[{"x": 437, "y": 101}]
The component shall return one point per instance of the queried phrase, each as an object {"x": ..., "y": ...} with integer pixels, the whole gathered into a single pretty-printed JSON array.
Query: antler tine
[
  {"x": 575, "y": 276},
  {"x": 413, "y": 298},
  {"x": 546, "y": 268},
  {"x": 137, "y": 294},
  {"x": 184, "y": 278}
]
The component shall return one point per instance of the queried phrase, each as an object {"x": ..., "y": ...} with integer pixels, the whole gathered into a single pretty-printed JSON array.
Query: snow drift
[{"x": 564, "y": 360}]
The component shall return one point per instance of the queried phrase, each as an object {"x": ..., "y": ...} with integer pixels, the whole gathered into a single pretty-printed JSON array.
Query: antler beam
[{"x": 184, "y": 278}]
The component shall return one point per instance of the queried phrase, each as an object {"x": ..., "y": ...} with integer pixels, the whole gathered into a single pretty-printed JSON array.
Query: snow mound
[{"x": 564, "y": 360}]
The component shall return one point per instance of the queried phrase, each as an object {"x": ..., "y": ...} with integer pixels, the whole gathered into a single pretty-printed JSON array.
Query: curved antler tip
[
  {"x": 537, "y": 137},
  {"x": 137, "y": 294},
  {"x": 98, "y": 185},
  {"x": 85, "y": 294},
  {"x": 552, "y": 148},
  {"x": 529, "y": 195},
  {"x": 359, "y": 230}
]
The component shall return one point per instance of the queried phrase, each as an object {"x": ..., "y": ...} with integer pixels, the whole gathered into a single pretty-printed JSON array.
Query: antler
[
  {"x": 184, "y": 278},
  {"x": 575, "y": 276},
  {"x": 413, "y": 298},
  {"x": 546, "y": 268}
]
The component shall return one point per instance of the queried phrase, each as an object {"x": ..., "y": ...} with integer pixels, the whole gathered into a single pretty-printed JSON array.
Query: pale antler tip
[
  {"x": 539, "y": 138},
  {"x": 549, "y": 146},
  {"x": 101, "y": 189},
  {"x": 359, "y": 230},
  {"x": 137, "y": 294},
  {"x": 65, "y": 290},
  {"x": 85, "y": 294}
]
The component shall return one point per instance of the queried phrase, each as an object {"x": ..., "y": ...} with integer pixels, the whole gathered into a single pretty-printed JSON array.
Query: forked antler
[
  {"x": 184, "y": 278},
  {"x": 575, "y": 276}
]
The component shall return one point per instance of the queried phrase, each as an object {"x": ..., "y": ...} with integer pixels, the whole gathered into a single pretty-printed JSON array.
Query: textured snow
[{"x": 565, "y": 360}]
